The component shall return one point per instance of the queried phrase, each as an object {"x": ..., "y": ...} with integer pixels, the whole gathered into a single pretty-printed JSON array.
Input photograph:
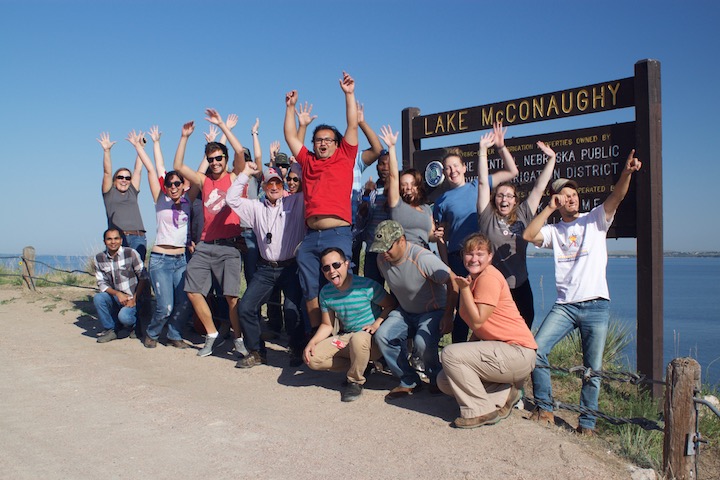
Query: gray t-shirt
[
  {"x": 122, "y": 209},
  {"x": 417, "y": 224},
  {"x": 510, "y": 248},
  {"x": 418, "y": 280}
]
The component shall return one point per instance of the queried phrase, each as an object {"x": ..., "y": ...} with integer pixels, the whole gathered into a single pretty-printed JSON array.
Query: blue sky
[{"x": 74, "y": 69}]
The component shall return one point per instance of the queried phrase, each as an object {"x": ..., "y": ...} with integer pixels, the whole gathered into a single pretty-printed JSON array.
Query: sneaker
[
  {"x": 490, "y": 419},
  {"x": 107, "y": 336},
  {"x": 240, "y": 347},
  {"x": 351, "y": 392},
  {"x": 149, "y": 342},
  {"x": 250, "y": 360},
  {"x": 587, "y": 432},
  {"x": 177, "y": 344},
  {"x": 207, "y": 349},
  {"x": 542, "y": 416},
  {"x": 514, "y": 397}
]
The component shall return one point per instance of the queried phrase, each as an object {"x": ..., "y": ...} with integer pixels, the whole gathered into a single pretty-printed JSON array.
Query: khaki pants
[
  {"x": 479, "y": 374},
  {"x": 354, "y": 358}
]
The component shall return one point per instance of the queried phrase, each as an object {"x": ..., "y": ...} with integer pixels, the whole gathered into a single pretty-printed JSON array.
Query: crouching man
[
  {"x": 120, "y": 277},
  {"x": 360, "y": 305}
]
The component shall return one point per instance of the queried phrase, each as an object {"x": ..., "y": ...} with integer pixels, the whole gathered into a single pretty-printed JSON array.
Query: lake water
[
  {"x": 692, "y": 290},
  {"x": 691, "y": 313}
]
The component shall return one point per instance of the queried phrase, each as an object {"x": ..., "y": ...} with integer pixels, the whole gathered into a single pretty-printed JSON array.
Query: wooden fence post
[
  {"x": 28, "y": 261},
  {"x": 682, "y": 380}
]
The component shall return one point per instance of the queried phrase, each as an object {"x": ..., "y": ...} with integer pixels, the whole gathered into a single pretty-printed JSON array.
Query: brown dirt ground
[{"x": 73, "y": 408}]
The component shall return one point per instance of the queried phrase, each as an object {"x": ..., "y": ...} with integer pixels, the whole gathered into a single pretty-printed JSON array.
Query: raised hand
[
  {"x": 256, "y": 127},
  {"x": 274, "y": 149},
  {"x": 250, "y": 169},
  {"x": 545, "y": 149},
  {"x": 137, "y": 139},
  {"x": 155, "y": 133},
  {"x": 463, "y": 282},
  {"x": 557, "y": 201},
  {"x": 291, "y": 98},
  {"x": 303, "y": 114},
  {"x": 231, "y": 121},
  {"x": 387, "y": 136},
  {"x": 212, "y": 134},
  {"x": 499, "y": 133},
  {"x": 188, "y": 128},
  {"x": 487, "y": 140},
  {"x": 370, "y": 186},
  {"x": 105, "y": 142},
  {"x": 213, "y": 116},
  {"x": 632, "y": 164},
  {"x": 347, "y": 83}
]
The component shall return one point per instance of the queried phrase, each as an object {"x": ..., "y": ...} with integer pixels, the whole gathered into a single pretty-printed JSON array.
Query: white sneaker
[{"x": 240, "y": 347}]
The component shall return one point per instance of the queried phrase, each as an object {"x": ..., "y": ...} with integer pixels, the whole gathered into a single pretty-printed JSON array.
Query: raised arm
[
  {"x": 257, "y": 150},
  {"x": 304, "y": 120},
  {"x": 196, "y": 178},
  {"x": 289, "y": 128},
  {"x": 348, "y": 86},
  {"x": 532, "y": 232},
  {"x": 373, "y": 153},
  {"x": 155, "y": 135},
  {"x": 486, "y": 141},
  {"x": 214, "y": 117},
  {"x": 136, "y": 140},
  {"x": 392, "y": 186},
  {"x": 231, "y": 121},
  {"x": 542, "y": 181},
  {"x": 137, "y": 170},
  {"x": 510, "y": 171},
  {"x": 274, "y": 150},
  {"x": 106, "y": 145},
  {"x": 612, "y": 202}
]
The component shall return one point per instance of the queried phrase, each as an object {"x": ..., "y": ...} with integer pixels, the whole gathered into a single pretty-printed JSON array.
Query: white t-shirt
[{"x": 580, "y": 252}]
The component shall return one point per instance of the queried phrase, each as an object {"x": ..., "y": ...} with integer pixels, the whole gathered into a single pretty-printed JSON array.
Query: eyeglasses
[
  {"x": 509, "y": 196},
  {"x": 123, "y": 177},
  {"x": 219, "y": 158},
  {"x": 320, "y": 141},
  {"x": 334, "y": 266},
  {"x": 176, "y": 183},
  {"x": 293, "y": 179},
  {"x": 268, "y": 238},
  {"x": 277, "y": 183}
]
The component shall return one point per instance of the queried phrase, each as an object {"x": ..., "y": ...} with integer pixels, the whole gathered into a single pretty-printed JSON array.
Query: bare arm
[
  {"x": 106, "y": 145},
  {"x": 195, "y": 178},
  {"x": 289, "y": 128},
  {"x": 155, "y": 135},
  {"x": 257, "y": 150},
  {"x": 532, "y": 232},
  {"x": 483, "y": 199},
  {"x": 544, "y": 178},
  {"x": 348, "y": 86},
  {"x": 446, "y": 324},
  {"x": 388, "y": 304},
  {"x": 510, "y": 171},
  {"x": 612, "y": 202},
  {"x": 231, "y": 121},
  {"x": 373, "y": 153},
  {"x": 324, "y": 331},
  {"x": 392, "y": 186},
  {"x": 135, "y": 140},
  {"x": 137, "y": 170}
]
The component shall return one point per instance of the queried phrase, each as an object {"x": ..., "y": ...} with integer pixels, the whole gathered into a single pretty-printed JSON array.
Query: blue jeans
[
  {"x": 167, "y": 273},
  {"x": 591, "y": 318},
  {"x": 308, "y": 256},
  {"x": 391, "y": 339},
  {"x": 460, "y": 329},
  {"x": 266, "y": 278},
  {"x": 250, "y": 259},
  {"x": 110, "y": 312},
  {"x": 137, "y": 243}
]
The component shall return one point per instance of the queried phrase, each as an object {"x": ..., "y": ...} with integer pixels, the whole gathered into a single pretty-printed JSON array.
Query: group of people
[{"x": 305, "y": 242}]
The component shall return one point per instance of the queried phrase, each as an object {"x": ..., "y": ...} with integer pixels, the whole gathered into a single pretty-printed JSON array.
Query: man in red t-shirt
[{"x": 327, "y": 182}]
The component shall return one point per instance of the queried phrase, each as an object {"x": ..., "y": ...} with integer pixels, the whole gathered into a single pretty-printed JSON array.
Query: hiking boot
[
  {"x": 240, "y": 347},
  {"x": 107, "y": 336},
  {"x": 514, "y": 397},
  {"x": 587, "y": 432},
  {"x": 489, "y": 419},
  {"x": 250, "y": 360},
  {"x": 149, "y": 342},
  {"x": 542, "y": 416},
  {"x": 207, "y": 349},
  {"x": 177, "y": 344},
  {"x": 351, "y": 392}
]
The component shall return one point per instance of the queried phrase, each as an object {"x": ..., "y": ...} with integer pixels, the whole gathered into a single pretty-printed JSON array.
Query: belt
[
  {"x": 281, "y": 263},
  {"x": 168, "y": 254},
  {"x": 224, "y": 241},
  {"x": 140, "y": 233}
]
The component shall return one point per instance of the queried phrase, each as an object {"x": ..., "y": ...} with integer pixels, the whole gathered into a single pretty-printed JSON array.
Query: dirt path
[{"x": 72, "y": 408}]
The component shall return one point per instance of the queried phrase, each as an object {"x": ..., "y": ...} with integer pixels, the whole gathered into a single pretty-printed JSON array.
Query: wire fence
[{"x": 34, "y": 278}]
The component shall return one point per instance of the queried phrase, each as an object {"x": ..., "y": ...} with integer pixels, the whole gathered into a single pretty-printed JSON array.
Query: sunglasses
[
  {"x": 293, "y": 179},
  {"x": 123, "y": 177},
  {"x": 334, "y": 265},
  {"x": 176, "y": 183},
  {"x": 219, "y": 158}
]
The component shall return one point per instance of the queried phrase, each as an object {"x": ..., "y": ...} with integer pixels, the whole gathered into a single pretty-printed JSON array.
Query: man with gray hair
[{"x": 424, "y": 288}]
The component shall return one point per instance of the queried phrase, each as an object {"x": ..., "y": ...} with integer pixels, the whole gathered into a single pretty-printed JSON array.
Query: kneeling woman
[
  {"x": 360, "y": 305},
  {"x": 485, "y": 375}
]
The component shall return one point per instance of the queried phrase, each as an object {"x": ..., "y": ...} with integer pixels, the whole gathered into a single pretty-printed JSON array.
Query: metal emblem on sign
[{"x": 434, "y": 175}]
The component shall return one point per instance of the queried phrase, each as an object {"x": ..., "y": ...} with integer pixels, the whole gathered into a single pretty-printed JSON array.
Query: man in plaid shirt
[{"x": 120, "y": 275}]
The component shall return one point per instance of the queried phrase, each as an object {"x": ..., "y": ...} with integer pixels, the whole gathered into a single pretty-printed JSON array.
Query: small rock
[{"x": 642, "y": 473}]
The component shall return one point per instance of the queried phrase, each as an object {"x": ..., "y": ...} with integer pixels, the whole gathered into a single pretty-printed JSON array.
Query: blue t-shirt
[{"x": 457, "y": 209}]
